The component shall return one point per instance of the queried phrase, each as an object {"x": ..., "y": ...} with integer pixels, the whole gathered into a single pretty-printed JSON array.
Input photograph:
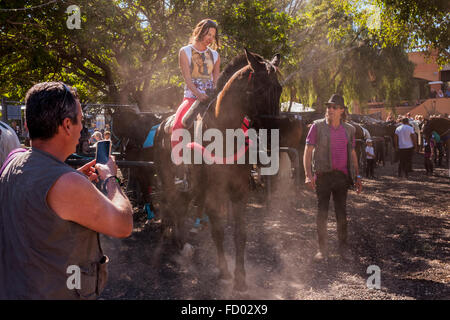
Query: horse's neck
[
  {"x": 228, "y": 119},
  {"x": 229, "y": 115},
  {"x": 441, "y": 128}
]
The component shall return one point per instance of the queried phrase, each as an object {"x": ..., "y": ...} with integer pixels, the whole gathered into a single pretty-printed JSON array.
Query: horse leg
[
  {"x": 217, "y": 233},
  {"x": 180, "y": 220},
  {"x": 240, "y": 238}
]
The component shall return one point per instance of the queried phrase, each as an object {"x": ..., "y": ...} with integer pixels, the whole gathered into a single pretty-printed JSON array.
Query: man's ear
[{"x": 66, "y": 125}]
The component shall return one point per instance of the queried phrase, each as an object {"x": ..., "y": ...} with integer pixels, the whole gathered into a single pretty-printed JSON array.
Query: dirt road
[{"x": 400, "y": 226}]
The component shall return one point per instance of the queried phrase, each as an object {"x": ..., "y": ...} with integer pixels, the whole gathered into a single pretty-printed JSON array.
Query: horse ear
[
  {"x": 276, "y": 60},
  {"x": 253, "y": 60}
]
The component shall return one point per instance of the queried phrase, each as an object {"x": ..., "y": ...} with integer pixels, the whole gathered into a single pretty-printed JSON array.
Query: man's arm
[
  {"x": 74, "y": 198},
  {"x": 307, "y": 159},
  {"x": 355, "y": 164}
]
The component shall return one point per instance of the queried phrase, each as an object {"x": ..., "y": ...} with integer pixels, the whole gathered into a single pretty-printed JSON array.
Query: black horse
[
  {"x": 130, "y": 129},
  {"x": 248, "y": 88}
]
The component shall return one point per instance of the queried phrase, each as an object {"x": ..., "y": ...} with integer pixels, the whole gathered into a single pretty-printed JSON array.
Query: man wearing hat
[{"x": 331, "y": 167}]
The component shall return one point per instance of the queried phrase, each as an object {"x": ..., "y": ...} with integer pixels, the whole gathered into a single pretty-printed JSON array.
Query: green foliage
[
  {"x": 423, "y": 25},
  {"x": 339, "y": 56},
  {"x": 127, "y": 50}
]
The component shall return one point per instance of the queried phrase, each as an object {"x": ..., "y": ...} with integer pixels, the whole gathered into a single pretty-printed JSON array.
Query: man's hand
[
  {"x": 310, "y": 183},
  {"x": 108, "y": 169},
  {"x": 89, "y": 170},
  {"x": 202, "y": 97}
]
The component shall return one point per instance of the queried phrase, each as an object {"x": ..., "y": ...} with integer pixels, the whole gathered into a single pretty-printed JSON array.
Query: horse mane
[
  {"x": 439, "y": 120},
  {"x": 234, "y": 65}
]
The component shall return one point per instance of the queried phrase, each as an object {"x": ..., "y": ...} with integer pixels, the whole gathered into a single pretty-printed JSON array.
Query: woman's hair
[
  {"x": 201, "y": 30},
  {"x": 97, "y": 134}
]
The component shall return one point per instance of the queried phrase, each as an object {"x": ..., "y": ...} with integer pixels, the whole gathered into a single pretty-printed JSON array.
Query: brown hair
[
  {"x": 47, "y": 105},
  {"x": 201, "y": 30}
]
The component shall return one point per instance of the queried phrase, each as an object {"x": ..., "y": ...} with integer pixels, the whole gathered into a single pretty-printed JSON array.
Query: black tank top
[{"x": 36, "y": 245}]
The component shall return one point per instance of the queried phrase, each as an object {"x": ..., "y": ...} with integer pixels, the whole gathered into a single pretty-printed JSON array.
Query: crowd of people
[
  {"x": 440, "y": 94},
  {"x": 433, "y": 150}
]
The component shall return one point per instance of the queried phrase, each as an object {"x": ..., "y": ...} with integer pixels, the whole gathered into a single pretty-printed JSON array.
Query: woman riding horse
[{"x": 247, "y": 89}]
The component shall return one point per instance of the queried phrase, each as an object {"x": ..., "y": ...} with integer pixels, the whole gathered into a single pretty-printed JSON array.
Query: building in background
[{"x": 428, "y": 81}]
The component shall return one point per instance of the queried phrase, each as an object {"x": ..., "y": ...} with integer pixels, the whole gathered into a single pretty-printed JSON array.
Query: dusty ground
[{"x": 401, "y": 226}]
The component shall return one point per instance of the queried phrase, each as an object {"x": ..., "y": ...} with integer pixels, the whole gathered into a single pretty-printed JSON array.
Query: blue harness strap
[{"x": 150, "y": 137}]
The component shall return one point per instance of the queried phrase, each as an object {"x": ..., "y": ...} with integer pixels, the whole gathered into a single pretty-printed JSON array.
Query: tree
[
  {"x": 125, "y": 50},
  {"x": 422, "y": 24},
  {"x": 334, "y": 56}
]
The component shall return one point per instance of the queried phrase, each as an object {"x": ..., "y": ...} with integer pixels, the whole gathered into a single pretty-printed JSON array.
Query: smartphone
[{"x": 102, "y": 151}]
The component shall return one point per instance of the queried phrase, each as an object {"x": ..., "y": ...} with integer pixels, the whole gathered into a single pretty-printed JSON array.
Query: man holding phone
[{"x": 51, "y": 215}]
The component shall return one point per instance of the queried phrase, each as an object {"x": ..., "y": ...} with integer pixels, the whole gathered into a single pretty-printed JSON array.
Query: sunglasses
[
  {"x": 333, "y": 106},
  {"x": 66, "y": 89}
]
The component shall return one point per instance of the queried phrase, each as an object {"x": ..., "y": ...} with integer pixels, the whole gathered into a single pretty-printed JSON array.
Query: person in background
[
  {"x": 405, "y": 142},
  {"x": 370, "y": 159},
  {"x": 447, "y": 92},
  {"x": 96, "y": 137},
  {"x": 8, "y": 141},
  {"x": 107, "y": 135}
]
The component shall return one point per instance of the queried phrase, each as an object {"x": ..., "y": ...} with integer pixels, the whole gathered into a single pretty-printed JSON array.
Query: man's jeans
[{"x": 334, "y": 183}]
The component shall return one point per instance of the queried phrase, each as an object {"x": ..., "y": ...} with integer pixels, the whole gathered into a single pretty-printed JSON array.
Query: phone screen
[{"x": 102, "y": 153}]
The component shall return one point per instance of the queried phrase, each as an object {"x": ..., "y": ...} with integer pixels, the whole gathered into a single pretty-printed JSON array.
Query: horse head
[
  {"x": 252, "y": 91},
  {"x": 264, "y": 89}
]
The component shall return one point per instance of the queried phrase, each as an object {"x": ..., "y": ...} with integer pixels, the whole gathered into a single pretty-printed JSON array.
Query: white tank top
[{"x": 201, "y": 64}]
